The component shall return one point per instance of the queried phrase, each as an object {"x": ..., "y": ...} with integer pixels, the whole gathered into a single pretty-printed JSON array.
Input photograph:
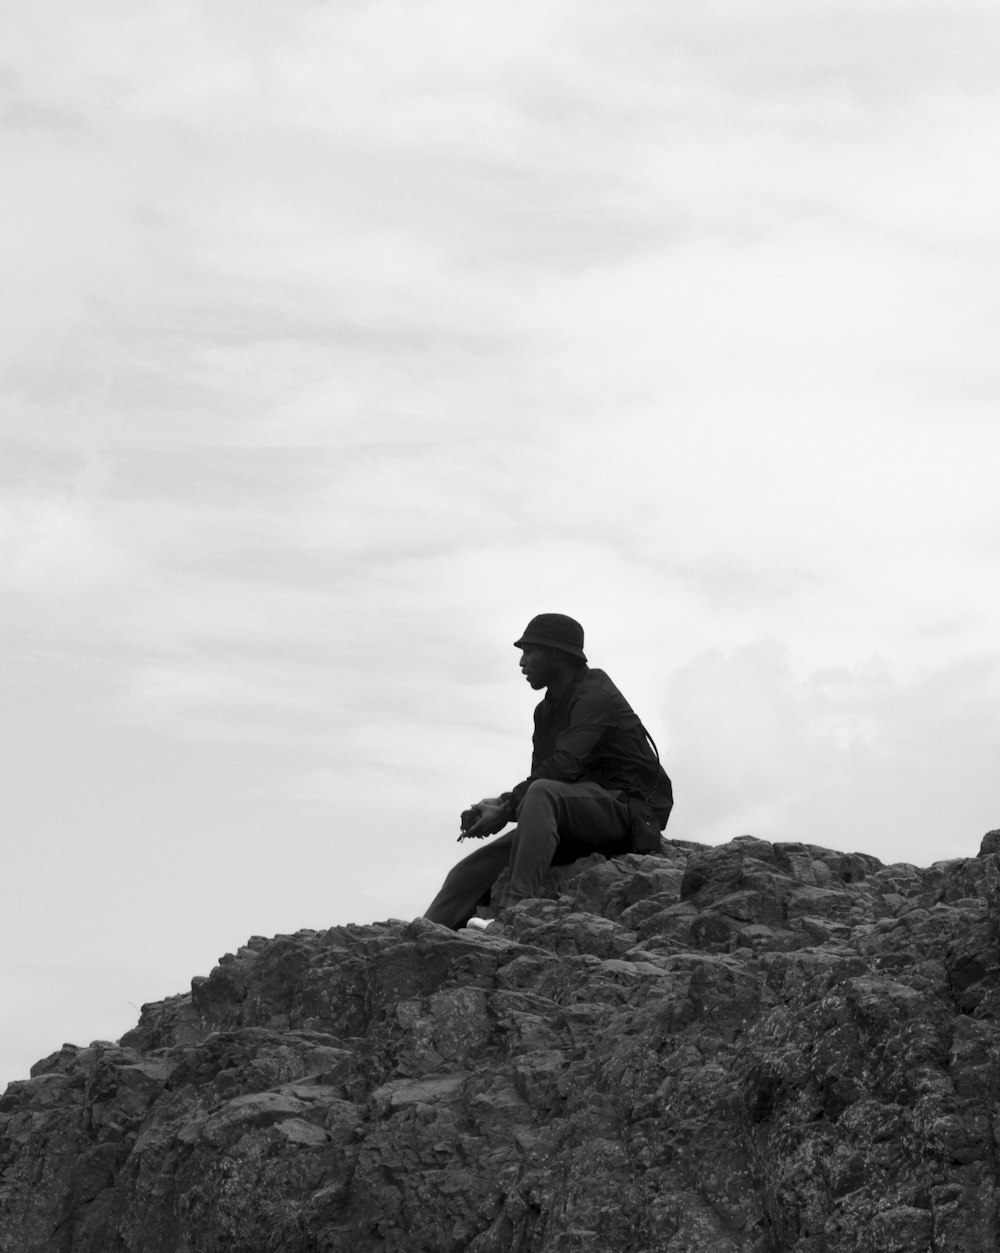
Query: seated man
[{"x": 596, "y": 783}]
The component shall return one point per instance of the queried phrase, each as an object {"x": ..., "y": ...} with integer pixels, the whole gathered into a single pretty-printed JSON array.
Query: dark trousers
[{"x": 556, "y": 823}]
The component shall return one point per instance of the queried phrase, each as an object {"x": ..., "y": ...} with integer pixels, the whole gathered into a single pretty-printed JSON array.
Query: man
[{"x": 596, "y": 783}]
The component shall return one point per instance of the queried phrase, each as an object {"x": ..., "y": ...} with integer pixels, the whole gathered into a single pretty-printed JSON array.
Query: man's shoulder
[
  {"x": 596, "y": 688},
  {"x": 594, "y": 680}
]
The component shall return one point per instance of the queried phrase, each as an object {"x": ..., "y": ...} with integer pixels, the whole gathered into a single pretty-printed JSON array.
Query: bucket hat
[{"x": 554, "y": 630}]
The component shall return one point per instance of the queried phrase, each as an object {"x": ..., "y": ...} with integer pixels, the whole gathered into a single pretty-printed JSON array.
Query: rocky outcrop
[{"x": 749, "y": 1047}]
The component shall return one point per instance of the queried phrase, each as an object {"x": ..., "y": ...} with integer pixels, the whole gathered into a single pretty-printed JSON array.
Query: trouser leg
[
  {"x": 562, "y": 821},
  {"x": 468, "y": 883}
]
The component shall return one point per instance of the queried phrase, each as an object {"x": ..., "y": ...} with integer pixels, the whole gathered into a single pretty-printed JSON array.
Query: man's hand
[{"x": 485, "y": 818}]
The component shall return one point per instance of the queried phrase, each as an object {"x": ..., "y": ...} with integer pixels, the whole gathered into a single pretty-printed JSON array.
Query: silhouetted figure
[{"x": 596, "y": 783}]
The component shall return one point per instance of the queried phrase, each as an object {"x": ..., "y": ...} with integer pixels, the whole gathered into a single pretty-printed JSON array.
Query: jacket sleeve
[{"x": 590, "y": 716}]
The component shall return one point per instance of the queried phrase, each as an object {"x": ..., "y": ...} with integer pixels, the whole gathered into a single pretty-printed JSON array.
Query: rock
[
  {"x": 751, "y": 1048},
  {"x": 990, "y": 844}
]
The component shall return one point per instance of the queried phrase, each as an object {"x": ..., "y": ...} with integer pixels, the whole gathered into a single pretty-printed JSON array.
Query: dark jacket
[{"x": 591, "y": 734}]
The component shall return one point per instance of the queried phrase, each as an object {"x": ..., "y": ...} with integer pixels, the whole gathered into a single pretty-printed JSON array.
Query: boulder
[{"x": 746, "y": 1048}]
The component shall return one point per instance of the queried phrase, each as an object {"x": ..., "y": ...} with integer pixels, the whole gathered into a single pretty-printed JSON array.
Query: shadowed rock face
[{"x": 743, "y": 1048}]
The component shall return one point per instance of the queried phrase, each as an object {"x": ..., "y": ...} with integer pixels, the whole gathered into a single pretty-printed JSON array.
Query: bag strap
[
  {"x": 649, "y": 799},
  {"x": 651, "y": 741}
]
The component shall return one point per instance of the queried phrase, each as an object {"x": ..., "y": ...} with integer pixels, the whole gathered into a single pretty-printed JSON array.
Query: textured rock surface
[{"x": 746, "y": 1047}]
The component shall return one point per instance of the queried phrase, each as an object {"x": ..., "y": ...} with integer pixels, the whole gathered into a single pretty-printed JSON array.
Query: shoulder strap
[
  {"x": 652, "y": 742},
  {"x": 662, "y": 782}
]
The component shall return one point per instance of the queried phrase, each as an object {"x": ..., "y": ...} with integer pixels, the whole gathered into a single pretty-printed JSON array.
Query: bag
[
  {"x": 643, "y": 827},
  {"x": 661, "y": 799},
  {"x": 647, "y": 816}
]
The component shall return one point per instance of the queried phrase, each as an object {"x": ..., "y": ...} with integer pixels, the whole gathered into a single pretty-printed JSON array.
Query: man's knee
[
  {"x": 539, "y": 788},
  {"x": 550, "y": 790},
  {"x": 561, "y": 797}
]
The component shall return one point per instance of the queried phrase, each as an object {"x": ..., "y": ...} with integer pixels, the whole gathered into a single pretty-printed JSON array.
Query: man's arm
[{"x": 590, "y": 716}]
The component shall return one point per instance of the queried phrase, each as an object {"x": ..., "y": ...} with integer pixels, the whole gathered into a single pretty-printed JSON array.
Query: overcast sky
[{"x": 339, "y": 339}]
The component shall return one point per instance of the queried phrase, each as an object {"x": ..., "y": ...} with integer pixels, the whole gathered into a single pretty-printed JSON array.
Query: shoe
[{"x": 479, "y": 924}]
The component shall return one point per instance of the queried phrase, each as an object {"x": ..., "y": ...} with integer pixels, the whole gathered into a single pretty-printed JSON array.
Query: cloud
[
  {"x": 50, "y": 545},
  {"x": 828, "y": 756}
]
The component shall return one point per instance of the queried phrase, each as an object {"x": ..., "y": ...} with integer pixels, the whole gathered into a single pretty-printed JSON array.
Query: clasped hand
[{"x": 487, "y": 817}]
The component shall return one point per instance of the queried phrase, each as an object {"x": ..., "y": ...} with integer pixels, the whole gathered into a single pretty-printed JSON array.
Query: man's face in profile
[{"x": 537, "y": 665}]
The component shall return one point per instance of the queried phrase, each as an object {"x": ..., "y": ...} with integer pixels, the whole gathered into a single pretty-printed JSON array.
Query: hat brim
[{"x": 546, "y": 642}]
